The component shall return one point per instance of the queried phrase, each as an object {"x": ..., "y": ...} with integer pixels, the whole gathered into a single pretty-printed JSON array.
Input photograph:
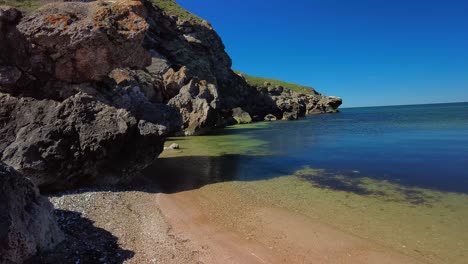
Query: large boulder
[
  {"x": 198, "y": 103},
  {"x": 77, "y": 103},
  {"x": 270, "y": 117},
  {"x": 65, "y": 144},
  {"x": 78, "y": 42},
  {"x": 288, "y": 116},
  {"x": 241, "y": 116},
  {"x": 27, "y": 222},
  {"x": 322, "y": 104}
]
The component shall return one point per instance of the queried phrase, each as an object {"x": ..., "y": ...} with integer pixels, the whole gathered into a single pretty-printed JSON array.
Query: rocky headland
[{"x": 90, "y": 90}]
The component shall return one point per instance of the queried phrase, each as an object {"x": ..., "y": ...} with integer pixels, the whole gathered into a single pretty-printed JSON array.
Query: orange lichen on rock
[
  {"x": 88, "y": 39},
  {"x": 134, "y": 6},
  {"x": 127, "y": 15},
  {"x": 57, "y": 20}
]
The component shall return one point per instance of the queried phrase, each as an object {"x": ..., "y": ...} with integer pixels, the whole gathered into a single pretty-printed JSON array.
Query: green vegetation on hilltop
[
  {"x": 23, "y": 5},
  {"x": 169, "y": 6},
  {"x": 259, "y": 81},
  {"x": 174, "y": 9}
]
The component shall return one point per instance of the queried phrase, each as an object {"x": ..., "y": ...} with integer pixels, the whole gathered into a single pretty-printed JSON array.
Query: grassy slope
[
  {"x": 259, "y": 81},
  {"x": 174, "y": 9},
  {"x": 169, "y": 6},
  {"x": 23, "y": 5}
]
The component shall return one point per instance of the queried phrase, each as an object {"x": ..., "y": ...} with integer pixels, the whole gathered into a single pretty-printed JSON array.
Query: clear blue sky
[{"x": 370, "y": 52}]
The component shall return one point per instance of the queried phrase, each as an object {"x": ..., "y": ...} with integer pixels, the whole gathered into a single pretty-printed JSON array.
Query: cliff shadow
[
  {"x": 84, "y": 243},
  {"x": 178, "y": 174},
  {"x": 185, "y": 173}
]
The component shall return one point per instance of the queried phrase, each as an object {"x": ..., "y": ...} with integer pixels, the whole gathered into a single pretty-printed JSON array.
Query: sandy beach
[
  {"x": 182, "y": 228},
  {"x": 179, "y": 211},
  {"x": 265, "y": 235}
]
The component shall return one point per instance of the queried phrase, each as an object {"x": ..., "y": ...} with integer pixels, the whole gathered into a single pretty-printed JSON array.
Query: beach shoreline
[{"x": 180, "y": 228}]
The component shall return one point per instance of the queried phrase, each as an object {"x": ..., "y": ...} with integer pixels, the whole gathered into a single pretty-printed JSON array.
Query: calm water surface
[
  {"x": 396, "y": 175},
  {"x": 416, "y": 146},
  {"x": 424, "y": 146}
]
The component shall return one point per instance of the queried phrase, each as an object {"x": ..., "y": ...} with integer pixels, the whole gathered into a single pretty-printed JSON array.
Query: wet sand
[
  {"x": 271, "y": 235},
  {"x": 182, "y": 228}
]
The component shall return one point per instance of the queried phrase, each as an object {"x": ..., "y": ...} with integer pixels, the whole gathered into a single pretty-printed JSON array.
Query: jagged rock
[
  {"x": 159, "y": 64},
  {"x": 65, "y": 144},
  {"x": 77, "y": 42},
  {"x": 27, "y": 222},
  {"x": 177, "y": 51},
  {"x": 270, "y": 117},
  {"x": 289, "y": 116},
  {"x": 151, "y": 86},
  {"x": 83, "y": 114},
  {"x": 194, "y": 49},
  {"x": 323, "y": 104},
  {"x": 174, "y": 81},
  {"x": 197, "y": 103},
  {"x": 275, "y": 91},
  {"x": 291, "y": 102},
  {"x": 241, "y": 116}
]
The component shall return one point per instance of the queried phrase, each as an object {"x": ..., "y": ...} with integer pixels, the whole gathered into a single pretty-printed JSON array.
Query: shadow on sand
[
  {"x": 84, "y": 243},
  {"x": 90, "y": 244}
]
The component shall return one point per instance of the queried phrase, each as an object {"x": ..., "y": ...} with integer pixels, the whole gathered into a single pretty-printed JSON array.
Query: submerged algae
[
  {"x": 226, "y": 142},
  {"x": 434, "y": 231},
  {"x": 427, "y": 224}
]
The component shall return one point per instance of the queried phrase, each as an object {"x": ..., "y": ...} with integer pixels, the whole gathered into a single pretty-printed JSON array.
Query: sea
[{"x": 397, "y": 175}]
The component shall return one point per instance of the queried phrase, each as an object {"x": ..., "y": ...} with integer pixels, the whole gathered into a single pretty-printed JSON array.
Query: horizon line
[{"x": 403, "y": 105}]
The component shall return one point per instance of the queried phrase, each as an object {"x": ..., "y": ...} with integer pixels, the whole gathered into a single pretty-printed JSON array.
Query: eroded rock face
[
  {"x": 289, "y": 116},
  {"x": 193, "y": 50},
  {"x": 240, "y": 116},
  {"x": 270, "y": 117},
  {"x": 65, "y": 144},
  {"x": 323, "y": 104},
  {"x": 77, "y": 102},
  {"x": 27, "y": 222},
  {"x": 198, "y": 103},
  {"x": 78, "y": 42}
]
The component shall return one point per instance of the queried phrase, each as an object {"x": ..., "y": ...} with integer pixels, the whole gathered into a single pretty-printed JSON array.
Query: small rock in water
[
  {"x": 270, "y": 117},
  {"x": 173, "y": 146}
]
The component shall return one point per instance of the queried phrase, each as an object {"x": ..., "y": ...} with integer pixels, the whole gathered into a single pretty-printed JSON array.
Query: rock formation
[
  {"x": 91, "y": 89},
  {"x": 187, "y": 51},
  {"x": 75, "y": 100},
  {"x": 240, "y": 116},
  {"x": 27, "y": 224}
]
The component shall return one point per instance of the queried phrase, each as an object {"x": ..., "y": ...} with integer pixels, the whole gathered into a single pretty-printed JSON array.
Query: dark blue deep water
[{"x": 416, "y": 146}]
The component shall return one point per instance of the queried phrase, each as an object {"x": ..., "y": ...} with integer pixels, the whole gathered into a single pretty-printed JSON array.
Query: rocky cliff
[
  {"x": 199, "y": 81},
  {"x": 73, "y": 107},
  {"x": 92, "y": 88}
]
